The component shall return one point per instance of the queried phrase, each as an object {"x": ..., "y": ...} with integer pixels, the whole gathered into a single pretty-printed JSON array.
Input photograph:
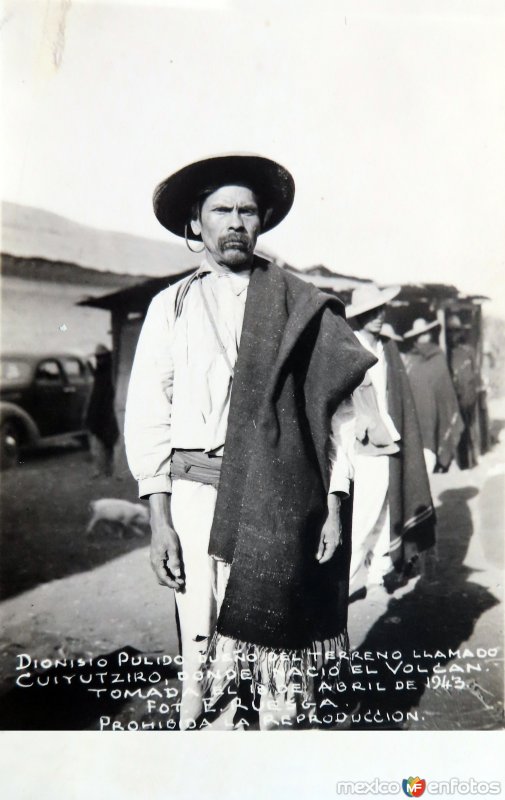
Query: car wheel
[{"x": 9, "y": 444}]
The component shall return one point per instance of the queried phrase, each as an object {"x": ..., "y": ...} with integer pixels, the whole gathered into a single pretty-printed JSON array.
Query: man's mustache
[{"x": 235, "y": 239}]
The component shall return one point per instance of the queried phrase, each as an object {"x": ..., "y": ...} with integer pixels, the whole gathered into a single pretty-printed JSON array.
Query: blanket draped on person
[
  {"x": 411, "y": 509},
  {"x": 298, "y": 360},
  {"x": 436, "y": 402}
]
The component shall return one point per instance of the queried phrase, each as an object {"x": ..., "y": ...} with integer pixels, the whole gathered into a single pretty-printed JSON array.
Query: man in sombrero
[
  {"x": 393, "y": 516},
  {"x": 436, "y": 402},
  {"x": 233, "y": 430},
  {"x": 466, "y": 379}
]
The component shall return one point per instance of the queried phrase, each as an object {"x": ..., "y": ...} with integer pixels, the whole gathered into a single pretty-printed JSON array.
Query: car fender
[{"x": 12, "y": 411}]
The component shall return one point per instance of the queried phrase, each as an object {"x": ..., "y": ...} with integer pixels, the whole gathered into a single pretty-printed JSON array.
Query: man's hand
[
  {"x": 331, "y": 533},
  {"x": 165, "y": 555}
]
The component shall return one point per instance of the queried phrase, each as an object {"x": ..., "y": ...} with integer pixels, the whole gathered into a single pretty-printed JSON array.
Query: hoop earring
[{"x": 187, "y": 243}]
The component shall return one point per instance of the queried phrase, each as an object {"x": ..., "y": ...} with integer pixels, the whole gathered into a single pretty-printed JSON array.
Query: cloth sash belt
[{"x": 196, "y": 465}]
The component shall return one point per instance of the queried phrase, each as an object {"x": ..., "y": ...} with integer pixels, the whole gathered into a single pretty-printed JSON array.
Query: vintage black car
[{"x": 41, "y": 397}]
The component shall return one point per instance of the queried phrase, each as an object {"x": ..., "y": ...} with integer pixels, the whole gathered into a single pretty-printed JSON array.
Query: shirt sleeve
[
  {"x": 343, "y": 433},
  {"x": 149, "y": 401}
]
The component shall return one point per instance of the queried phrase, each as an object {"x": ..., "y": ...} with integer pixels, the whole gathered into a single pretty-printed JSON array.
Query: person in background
[
  {"x": 388, "y": 332},
  {"x": 465, "y": 377},
  {"x": 393, "y": 516},
  {"x": 101, "y": 419},
  {"x": 434, "y": 396},
  {"x": 487, "y": 373}
]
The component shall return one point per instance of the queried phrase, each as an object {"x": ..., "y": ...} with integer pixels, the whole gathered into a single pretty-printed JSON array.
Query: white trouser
[
  {"x": 370, "y": 521},
  {"x": 430, "y": 459},
  {"x": 192, "y": 507}
]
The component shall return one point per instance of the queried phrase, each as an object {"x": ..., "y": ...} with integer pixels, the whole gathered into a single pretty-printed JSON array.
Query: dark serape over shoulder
[
  {"x": 411, "y": 508},
  {"x": 298, "y": 360},
  {"x": 436, "y": 402}
]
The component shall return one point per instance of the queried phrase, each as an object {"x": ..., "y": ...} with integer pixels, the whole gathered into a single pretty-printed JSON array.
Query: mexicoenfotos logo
[{"x": 413, "y": 787}]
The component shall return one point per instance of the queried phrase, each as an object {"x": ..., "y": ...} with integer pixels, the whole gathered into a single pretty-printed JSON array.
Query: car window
[
  {"x": 48, "y": 372},
  {"x": 73, "y": 367},
  {"x": 13, "y": 371}
]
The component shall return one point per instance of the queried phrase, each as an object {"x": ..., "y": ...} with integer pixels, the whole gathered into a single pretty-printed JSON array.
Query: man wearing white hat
[
  {"x": 393, "y": 516},
  {"x": 434, "y": 396},
  {"x": 388, "y": 332},
  {"x": 239, "y": 375}
]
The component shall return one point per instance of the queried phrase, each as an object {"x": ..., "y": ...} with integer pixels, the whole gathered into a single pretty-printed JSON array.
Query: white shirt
[
  {"x": 378, "y": 376},
  {"x": 180, "y": 385}
]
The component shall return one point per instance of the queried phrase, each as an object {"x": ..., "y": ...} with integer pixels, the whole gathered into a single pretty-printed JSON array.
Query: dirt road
[{"x": 66, "y": 596}]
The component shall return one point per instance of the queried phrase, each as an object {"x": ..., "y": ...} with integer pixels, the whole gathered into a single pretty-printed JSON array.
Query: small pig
[{"x": 118, "y": 516}]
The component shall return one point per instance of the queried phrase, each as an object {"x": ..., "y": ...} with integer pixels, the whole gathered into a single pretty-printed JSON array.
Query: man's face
[
  {"x": 373, "y": 320},
  {"x": 229, "y": 223}
]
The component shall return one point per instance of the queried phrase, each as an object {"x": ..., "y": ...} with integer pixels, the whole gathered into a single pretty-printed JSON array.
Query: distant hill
[
  {"x": 35, "y": 234},
  {"x": 40, "y": 245},
  {"x": 41, "y": 269}
]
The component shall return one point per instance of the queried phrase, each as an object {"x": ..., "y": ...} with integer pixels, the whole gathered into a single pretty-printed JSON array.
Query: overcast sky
[{"x": 392, "y": 121}]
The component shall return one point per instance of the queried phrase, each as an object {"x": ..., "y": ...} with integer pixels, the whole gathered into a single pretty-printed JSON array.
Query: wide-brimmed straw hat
[
  {"x": 389, "y": 332},
  {"x": 369, "y": 296},
  {"x": 174, "y": 197},
  {"x": 419, "y": 326}
]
